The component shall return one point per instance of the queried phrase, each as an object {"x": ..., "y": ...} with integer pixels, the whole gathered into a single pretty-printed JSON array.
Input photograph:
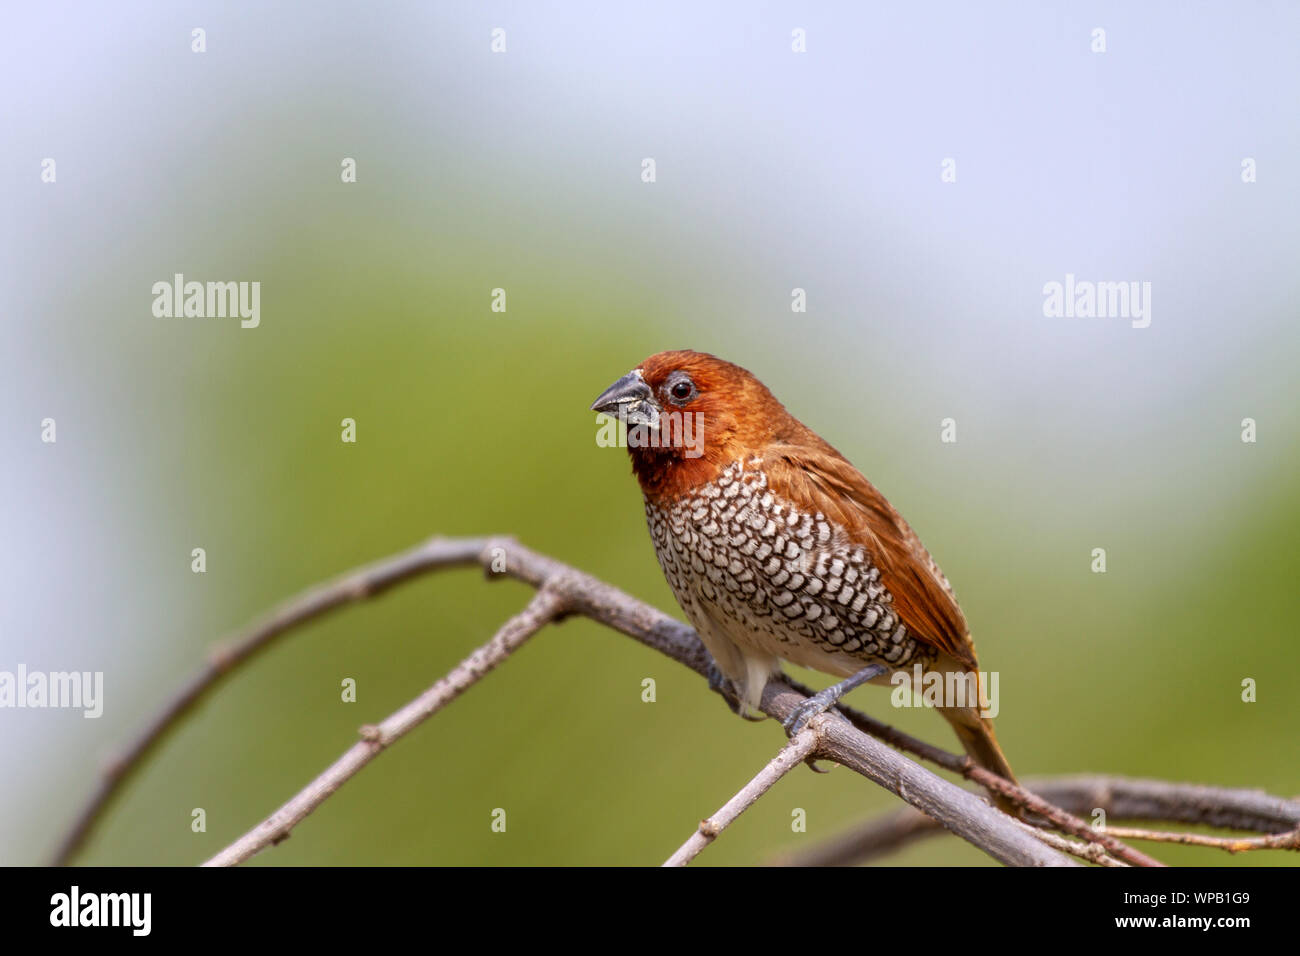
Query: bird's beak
[{"x": 631, "y": 400}]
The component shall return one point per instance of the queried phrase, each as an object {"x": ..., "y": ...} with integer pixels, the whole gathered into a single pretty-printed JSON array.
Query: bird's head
[{"x": 689, "y": 415}]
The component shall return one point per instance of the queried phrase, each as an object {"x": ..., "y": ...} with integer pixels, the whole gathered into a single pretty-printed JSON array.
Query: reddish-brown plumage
[
  {"x": 778, "y": 548},
  {"x": 741, "y": 418}
]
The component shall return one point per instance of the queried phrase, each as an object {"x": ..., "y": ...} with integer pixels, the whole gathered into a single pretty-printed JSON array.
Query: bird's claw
[
  {"x": 724, "y": 685},
  {"x": 810, "y": 708}
]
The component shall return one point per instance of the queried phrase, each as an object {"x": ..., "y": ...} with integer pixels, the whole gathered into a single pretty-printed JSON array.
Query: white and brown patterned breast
[{"x": 777, "y": 580}]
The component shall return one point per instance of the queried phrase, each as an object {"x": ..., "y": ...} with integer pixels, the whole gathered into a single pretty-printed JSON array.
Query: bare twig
[
  {"x": 1092, "y": 852},
  {"x": 544, "y": 608},
  {"x": 963, "y": 765},
  {"x": 963, "y": 812},
  {"x": 1278, "y": 841},
  {"x": 565, "y": 590},
  {"x": 867, "y": 841},
  {"x": 356, "y": 585},
  {"x": 1122, "y": 798},
  {"x": 960, "y": 811},
  {"x": 1117, "y": 797},
  {"x": 796, "y": 751}
]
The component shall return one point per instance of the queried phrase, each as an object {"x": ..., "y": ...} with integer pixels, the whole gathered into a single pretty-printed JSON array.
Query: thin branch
[
  {"x": 1117, "y": 797},
  {"x": 1091, "y": 852},
  {"x": 1123, "y": 798},
  {"x": 545, "y": 607},
  {"x": 357, "y": 585},
  {"x": 796, "y": 751},
  {"x": 963, "y": 812},
  {"x": 963, "y": 765},
  {"x": 876, "y": 838},
  {"x": 1278, "y": 841},
  {"x": 958, "y": 810}
]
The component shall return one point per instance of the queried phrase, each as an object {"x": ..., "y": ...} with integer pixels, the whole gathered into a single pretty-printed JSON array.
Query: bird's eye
[{"x": 681, "y": 391}]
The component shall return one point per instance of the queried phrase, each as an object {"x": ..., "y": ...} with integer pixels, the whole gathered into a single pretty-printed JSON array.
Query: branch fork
[{"x": 843, "y": 735}]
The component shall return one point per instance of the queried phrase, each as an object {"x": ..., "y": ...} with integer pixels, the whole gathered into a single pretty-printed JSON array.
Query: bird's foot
[
  {"x": 818, "y": 703},
  {"x": 824, "y": 700}
]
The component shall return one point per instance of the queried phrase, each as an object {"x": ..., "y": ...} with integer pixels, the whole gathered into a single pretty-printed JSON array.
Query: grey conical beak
[{"x": 630, "y": 399}]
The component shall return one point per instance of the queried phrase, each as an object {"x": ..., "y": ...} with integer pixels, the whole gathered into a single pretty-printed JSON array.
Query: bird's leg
[{"x": 826, "y": 699}]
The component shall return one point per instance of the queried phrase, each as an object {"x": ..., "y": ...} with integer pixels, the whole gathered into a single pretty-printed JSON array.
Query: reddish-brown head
[{"x": 689, "y": 415}]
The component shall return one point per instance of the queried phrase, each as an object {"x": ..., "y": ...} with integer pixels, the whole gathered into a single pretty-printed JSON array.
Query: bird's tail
[{"x": 976, "y": 735}]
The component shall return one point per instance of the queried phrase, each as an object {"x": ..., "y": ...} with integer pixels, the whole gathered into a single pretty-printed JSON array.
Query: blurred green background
[{"x": 522, "y": 171}]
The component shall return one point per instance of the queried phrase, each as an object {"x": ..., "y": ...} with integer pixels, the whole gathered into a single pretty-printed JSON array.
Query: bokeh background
[{"x": 521, "y": 170}]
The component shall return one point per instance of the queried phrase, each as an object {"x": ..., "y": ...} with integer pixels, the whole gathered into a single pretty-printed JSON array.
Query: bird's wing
[{"x": 822, "y": 480}]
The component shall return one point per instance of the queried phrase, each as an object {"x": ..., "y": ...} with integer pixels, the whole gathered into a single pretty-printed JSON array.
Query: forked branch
[{"x": 854, "y": 740}]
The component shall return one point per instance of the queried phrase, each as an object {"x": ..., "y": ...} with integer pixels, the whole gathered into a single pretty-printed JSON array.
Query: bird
[{"x": 778, "y": 549}]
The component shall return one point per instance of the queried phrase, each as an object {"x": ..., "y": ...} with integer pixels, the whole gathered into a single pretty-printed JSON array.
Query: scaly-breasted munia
[{"x": 778, "y": 549}]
